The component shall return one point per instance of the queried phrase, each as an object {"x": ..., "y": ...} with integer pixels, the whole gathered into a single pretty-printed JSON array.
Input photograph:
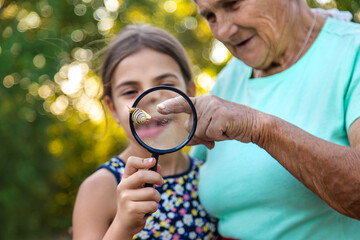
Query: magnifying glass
[{"x": 158, "y": 133}]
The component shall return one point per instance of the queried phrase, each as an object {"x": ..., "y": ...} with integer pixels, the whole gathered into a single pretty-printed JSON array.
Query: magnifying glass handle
[{"x": 156, "y": 156}]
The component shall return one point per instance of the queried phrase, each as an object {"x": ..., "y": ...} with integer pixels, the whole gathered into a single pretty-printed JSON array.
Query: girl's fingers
[
  {"x": 139, "y": 178},
  {"x": 134, "y": 164},
  {"x": 158, "y": 169},
  {"x": 142, "y": 207},
  {"x": 139, "y": 195}
]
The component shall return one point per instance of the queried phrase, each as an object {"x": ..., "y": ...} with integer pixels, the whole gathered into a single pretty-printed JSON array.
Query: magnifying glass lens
[{"x": 160, "y": 131}]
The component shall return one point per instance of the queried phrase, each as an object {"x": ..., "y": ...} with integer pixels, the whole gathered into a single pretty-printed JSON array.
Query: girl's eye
[
  {"x": 170, "y": 84},
  {"x": 129, "y": 92}
]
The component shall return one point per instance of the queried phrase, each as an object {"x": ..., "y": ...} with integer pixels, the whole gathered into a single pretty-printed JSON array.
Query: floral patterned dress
[{"x": 180, "y": 214}]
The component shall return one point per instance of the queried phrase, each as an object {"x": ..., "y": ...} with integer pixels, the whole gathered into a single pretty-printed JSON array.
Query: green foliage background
[{"x": 51, "y": 138}]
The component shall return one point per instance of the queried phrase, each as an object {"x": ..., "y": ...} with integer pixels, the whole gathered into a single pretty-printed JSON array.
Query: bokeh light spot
[
  {"x": 81, "y": 54},
  {"x": 60, "y": 105},
  {"x": 323, "y": 1},
  {"x": 45, "y": 91},
  {"x": 39, "y": 61},
  {"x": 10, "y": 11},
  {"x": 56, "y": 147},
  {"x": 101, "y": 13},
  {"x": 77, "y": 35},
  {"x": 9, "y": 81},
  {"x": 170, "y": 6},
  {"x": 112, "y": 5},
  {"x": 15, "y": 49},
  {"x": 31, "y": 21},
  {"x": 91, "y": 87},
  {"x": 33, "y": 89},
  {"x": 191, "y": 23},
  {"x": 105, "y": 24},
  {"x": 75, "y": 74},
  {"x": 357, "y": 16},
  {"x": 7, "y": 32},
  {"x": 219, "y": 53},
  {"x": 80, "y": 9},
  {"x": 46, "y": 11},
  {"x": 205, "y": 81}
]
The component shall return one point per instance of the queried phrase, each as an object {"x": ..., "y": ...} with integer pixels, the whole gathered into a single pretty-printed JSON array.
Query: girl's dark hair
[{"x": 133, "y": 38}]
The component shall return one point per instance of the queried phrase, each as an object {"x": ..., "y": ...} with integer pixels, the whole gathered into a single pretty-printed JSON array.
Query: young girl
[{"x": 113, "y": 203}]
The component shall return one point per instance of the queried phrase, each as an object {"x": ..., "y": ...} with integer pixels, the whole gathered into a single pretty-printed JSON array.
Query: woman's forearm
[{"x": 331, "y": 171}]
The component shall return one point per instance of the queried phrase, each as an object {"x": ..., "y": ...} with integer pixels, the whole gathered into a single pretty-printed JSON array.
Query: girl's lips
[
  {"x": 149, "y": 132},
  {"x": 151, "y": 128}
]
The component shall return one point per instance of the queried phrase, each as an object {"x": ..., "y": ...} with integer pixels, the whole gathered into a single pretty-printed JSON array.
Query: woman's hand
[
  {"x": 134, "y": 200},
  {"x": 218, "y": 119}
]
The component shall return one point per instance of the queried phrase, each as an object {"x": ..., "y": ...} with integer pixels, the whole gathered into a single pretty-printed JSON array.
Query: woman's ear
[
  {"x": 110, "y": 104},
  {"x": 191, "y": 88}
]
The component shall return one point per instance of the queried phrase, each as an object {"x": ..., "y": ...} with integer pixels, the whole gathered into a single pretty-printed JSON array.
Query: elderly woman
[{"x": 285, "y": 118}]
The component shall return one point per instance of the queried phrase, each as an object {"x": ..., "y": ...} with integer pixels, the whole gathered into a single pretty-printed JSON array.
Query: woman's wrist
[
  {"x": 249, "y": 125},
  {"x": 262, "y": 127}
]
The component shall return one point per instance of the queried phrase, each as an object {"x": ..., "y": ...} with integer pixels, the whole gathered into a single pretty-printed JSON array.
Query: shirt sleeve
[{"x": 352, "y": 97}]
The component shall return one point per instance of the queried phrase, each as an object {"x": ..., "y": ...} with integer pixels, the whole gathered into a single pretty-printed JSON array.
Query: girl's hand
[{"x": 134, "y": 200}]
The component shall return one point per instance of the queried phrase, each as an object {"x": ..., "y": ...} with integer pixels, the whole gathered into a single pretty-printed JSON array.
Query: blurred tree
[{"x": 53, "y": 132}]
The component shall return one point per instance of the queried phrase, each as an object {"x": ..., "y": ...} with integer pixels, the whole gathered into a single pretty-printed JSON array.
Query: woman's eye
[
  {"x": 210, "y": 17},
  {"x": 231, "y": 5}
]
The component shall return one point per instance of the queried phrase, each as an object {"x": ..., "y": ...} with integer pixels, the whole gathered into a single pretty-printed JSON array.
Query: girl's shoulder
[
  {"x": 95, "y": 203},
  {"x": 116, "y": 166}
]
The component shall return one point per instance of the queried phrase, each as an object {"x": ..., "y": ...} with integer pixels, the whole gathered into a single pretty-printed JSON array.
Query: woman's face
[
  {"x": 136, "y": 73},
  {"x": 250, "y": 29}
]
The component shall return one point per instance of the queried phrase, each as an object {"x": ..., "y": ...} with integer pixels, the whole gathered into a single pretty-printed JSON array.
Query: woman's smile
[{"x": 245, "y": 43}]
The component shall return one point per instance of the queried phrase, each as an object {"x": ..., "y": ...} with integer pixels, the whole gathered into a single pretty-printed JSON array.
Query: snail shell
[{"x": 139, "y": 116}]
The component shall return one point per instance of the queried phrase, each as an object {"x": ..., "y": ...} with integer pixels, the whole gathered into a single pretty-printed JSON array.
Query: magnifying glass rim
[{"x": 159, "y": 151}]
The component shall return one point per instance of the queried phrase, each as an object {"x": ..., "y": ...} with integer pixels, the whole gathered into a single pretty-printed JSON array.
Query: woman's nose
[{"x": 225, "y": 29}]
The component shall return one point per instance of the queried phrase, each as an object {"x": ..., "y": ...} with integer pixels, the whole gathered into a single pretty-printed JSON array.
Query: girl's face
[{"x": 138, "y": 72}]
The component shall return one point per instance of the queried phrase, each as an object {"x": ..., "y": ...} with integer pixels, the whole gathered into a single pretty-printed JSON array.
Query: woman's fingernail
[
  {"x": 149, "y": 160},
  {"x": 161, "y": 106}
]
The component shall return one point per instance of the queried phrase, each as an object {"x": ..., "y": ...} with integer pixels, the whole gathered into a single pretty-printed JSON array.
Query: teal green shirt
[{"x": 250, "y": 192}]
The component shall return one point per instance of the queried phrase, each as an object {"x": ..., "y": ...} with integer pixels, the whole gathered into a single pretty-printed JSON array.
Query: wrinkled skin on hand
[{"x": 218, "y": 119}]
